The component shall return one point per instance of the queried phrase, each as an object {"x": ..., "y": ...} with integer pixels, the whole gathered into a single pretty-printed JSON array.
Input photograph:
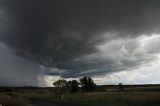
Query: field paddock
[
  {"x": 107, "y": 96},
  {"x": 12, "y": 100}
]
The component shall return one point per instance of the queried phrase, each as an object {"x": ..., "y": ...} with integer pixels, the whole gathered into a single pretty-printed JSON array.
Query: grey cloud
[
  {"x": 64, "y": 34},
  {"x": 116, "y": 55},
  {"x": 15, "y": 71},
  {"x": 152, "y": 44}
]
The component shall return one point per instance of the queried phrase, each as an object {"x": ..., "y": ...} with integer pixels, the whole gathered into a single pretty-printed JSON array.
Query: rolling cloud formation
[{"x": 82, "y": 37}]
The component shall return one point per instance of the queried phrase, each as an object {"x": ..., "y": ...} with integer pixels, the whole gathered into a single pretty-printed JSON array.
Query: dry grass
[
  {"x": 6, "y": 100},
  {"x": 117, "y": 98},
  {"x": 106, "y": 98}
]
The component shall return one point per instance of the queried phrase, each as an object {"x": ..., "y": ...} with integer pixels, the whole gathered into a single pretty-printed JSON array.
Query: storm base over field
[{"x": 108, "y": 40}]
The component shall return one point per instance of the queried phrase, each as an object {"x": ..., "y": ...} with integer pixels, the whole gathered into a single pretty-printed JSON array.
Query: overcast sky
[{"x": 110, "y": 40}]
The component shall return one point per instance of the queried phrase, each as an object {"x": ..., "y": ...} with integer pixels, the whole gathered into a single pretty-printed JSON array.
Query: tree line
[{"x": 85, "y": 84}]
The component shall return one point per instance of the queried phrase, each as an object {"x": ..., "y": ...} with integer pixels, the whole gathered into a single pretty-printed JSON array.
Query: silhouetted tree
[
  {"x": 87, "y": 84},
  {"x": 74, "y": 86},
  {"x": 120, "y": 85},
  {"x": 60, "y": 84}
]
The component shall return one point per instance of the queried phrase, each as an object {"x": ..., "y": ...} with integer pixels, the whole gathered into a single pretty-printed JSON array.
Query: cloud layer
[{"x": 82, "y": 37}]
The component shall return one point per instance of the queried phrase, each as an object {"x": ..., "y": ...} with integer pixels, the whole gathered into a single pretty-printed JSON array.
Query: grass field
[
  {"x": 6, "y": 100},
  {"x": 106, "y": 98},
  {"x": 109, "y": 96}
]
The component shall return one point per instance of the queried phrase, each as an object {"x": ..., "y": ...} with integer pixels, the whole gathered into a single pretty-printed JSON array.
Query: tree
[
  {"x": 60, "y": 84},
  {"x": 120, "y": 85},
  {"x": 74, "y": 86},
  {"x": 87, "y": 84}
]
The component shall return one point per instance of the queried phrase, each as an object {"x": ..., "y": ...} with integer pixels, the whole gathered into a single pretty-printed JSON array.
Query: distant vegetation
[
  {"x": 74, "y": 86},
  {"x": 85, "y": 84}
]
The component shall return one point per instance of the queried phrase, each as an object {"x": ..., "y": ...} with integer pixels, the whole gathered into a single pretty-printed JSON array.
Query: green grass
[
  {"x": 117, "y": 98},
  {"x": 105, "y": 98}
]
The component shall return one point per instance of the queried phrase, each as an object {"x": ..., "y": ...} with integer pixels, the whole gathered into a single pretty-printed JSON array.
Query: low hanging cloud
[
  {"x": 16, "y": 71},
  {"x": 82, "y": 37},
  {"x": 116, "y": 55}
]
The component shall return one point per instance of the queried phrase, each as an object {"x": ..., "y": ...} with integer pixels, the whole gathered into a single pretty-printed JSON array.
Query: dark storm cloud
[
  {"x": 15, "y": 71},
  {"x": 60, "y": 33}
]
